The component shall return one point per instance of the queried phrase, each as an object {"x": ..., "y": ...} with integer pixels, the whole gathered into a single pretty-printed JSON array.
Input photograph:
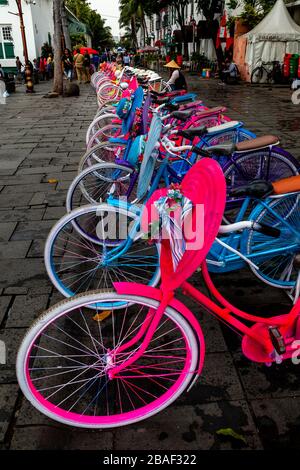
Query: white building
[
  {"x": 161, "y": 28},
  {"x": 38, "y": 21}
]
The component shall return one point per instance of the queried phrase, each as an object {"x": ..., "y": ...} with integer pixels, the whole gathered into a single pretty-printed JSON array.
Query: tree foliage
[
  {"x": 253, "y": 10},
  {"x": 101, "y": 34},
  {"x": 132, "y": 16}
]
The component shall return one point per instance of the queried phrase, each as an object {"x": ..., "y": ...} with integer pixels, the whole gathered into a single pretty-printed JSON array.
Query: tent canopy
[
  {"x": 278, "y": 25},
  {"x": 276, "y": 35}
]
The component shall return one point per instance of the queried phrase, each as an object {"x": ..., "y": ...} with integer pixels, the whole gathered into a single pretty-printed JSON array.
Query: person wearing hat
[{"x": 177, "y": 80}]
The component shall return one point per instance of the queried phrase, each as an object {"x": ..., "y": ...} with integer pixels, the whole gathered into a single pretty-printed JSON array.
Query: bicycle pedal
[
  {"x": 101, "y": 316},
  {"x": 277, "y": 340}
]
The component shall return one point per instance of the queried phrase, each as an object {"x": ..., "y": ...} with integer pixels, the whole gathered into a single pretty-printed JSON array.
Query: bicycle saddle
[
  {"x": 161, "y": 100},
  {"x": 182, "y": 115},
  {"x": 194, "y": 132},
  {"x": 172, "y": 106},
  {"x": 221, "y": 149},
  {"x": 287, "y": 185},
  {"x": 256, "y": 188},
  {"x": 257, "y": 143},
  {"x": 170, "y": 93},
  {"x": 210, "y": 111}
]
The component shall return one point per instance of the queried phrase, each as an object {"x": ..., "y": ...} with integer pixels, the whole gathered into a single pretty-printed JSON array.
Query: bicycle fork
[{"x": 148, "y": 329}]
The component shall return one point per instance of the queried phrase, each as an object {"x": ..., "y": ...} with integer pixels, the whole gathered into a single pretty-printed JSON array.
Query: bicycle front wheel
[
  {"x": 104, "y": 134},
  {"x": 86, "y": 250},
  {"x": 100, "y": 153},
  {"x": 95, "y": 184},
  {"x": 64, "y": 360},
  {"x": 98, "y": 123}
]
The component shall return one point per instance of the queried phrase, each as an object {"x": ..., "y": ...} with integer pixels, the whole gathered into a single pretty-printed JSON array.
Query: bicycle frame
[{"x": 265, "y": 350}]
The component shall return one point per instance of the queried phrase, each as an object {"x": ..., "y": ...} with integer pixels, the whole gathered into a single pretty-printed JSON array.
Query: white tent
[{"x": 276, "y": 35}]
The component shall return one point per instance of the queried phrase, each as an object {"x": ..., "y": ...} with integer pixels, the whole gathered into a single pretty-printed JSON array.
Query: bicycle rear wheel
[
  {"x": 257, "y": 75},
  {"x": 276, "y": 268},
  {"x": 258, "y": 165},
  {"x": 65, "y": 357}
]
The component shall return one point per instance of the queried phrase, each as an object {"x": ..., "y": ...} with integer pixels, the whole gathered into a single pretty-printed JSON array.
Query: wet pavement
[{"x": 41, "y": 141}]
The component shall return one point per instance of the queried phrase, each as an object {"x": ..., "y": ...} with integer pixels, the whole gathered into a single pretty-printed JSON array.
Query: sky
[{"x": 109, "y": 10}]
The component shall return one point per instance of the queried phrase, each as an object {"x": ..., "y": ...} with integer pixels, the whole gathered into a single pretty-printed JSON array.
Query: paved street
[{"x": 41, "y": 141}]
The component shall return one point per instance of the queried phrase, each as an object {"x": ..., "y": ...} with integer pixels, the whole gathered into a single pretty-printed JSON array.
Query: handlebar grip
[
  {"x": 200, "y": 151},
  {"x": 172, "y": 106},
  {"x": 269, "y": 231}
]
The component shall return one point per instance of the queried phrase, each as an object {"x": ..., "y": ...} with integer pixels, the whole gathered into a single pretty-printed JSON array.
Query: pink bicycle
[{"x": 139, "y": 348}]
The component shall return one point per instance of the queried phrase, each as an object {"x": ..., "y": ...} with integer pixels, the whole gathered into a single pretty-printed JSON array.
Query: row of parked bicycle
[{"x": 120, "y": 349}]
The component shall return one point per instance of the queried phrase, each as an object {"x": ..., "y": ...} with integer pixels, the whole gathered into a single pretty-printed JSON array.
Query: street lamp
[{"x": 28, "y": 69}]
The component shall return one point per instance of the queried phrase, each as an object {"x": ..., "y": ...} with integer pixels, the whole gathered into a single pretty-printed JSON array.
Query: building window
[
  {"x": 157, "y": 23},
  {"x": 6, "y": 43},
  {"x": 6, "y": 32}
]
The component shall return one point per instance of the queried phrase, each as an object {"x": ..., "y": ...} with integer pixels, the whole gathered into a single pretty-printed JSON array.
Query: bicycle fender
[{"x": 148, "y": 291}]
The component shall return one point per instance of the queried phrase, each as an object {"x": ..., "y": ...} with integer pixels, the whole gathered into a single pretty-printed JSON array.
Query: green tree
[
  {"x": 101, "y": 34},
  {"x": 133, "y": 15},
  {"x": 253, "y": 10}
]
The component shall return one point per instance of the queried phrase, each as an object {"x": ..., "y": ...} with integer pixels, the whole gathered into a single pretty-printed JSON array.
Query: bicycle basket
[
  {"x": 137, "y": 101},
  {"x": 149, "y": 157},
  {"x": 204, "y": 185}
]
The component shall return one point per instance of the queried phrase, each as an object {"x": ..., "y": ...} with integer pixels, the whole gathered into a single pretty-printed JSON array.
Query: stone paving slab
[
  {"x": 7, "y": 401},
  {"x": 194, "y": 429},
  {"x": 278, "y": 423},
  {"x": 25, "y": 309},
  {"x": 4, "y": 304},
  {"x": 14, "y": 249},
  {"x": 6, "y": 230},
  {"x": 58, "y": 438}
]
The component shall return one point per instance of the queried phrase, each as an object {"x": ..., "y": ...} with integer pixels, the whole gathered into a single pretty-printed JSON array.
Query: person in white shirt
[
  {"x": 126, "y": 59},
  {"x": 230, "y": 73}
]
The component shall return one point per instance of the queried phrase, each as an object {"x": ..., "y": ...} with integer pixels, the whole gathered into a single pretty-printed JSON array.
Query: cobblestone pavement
[{"x": 42, "y": 140}]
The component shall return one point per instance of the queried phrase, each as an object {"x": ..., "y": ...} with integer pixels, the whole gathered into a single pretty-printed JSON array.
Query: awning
[
  {"x": 89, "y": 50},
  {"x": 75, "y": 26}
]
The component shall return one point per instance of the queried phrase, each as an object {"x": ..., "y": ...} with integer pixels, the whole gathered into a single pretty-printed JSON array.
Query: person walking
[
  {"x": 87, "y": 64},
  {"x": 79, "y": 66},
  {"x": 49, "y": 66},
  {"x": 67, "y": 64},
  {"x": 177, "y": 80},
  {"x": 126, "y": 59},
  {"x": 36, "y": 71},
  {"x": 19, "y": 68},
  {"x": 42, "y": 68}
]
